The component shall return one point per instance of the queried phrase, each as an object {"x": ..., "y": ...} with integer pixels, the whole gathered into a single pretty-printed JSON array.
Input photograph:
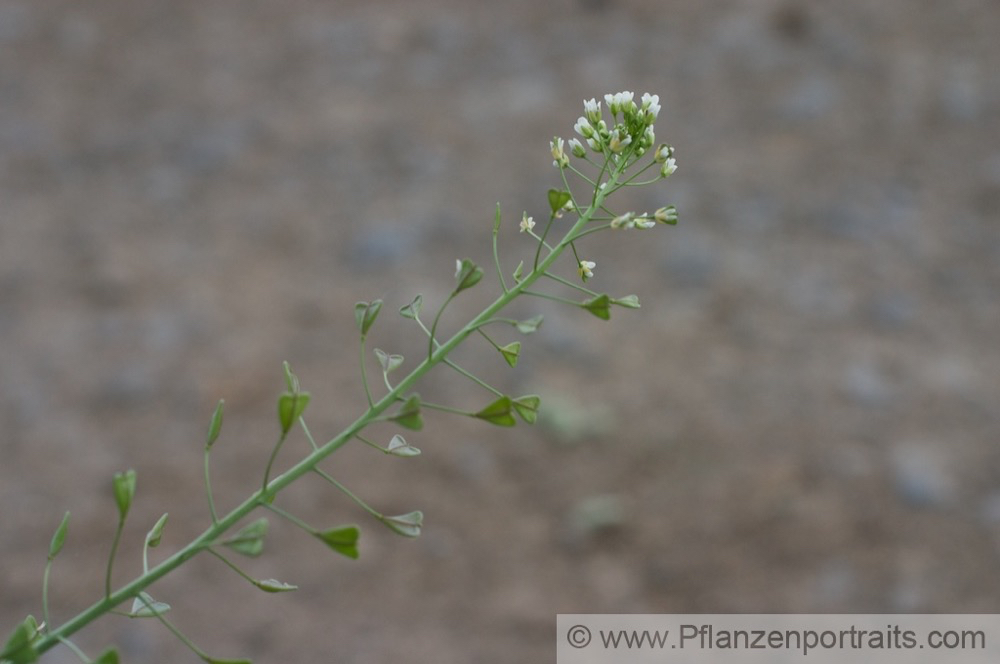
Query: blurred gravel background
[{"x": 804, "y": 416}]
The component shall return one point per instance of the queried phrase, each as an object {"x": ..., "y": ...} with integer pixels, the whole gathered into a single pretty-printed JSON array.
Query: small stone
[
  {"x": 920, "y": 477},
  {"x": 865, "y": 384}
]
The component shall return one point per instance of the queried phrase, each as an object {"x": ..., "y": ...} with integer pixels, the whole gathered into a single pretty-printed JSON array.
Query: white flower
[
  {"x": 663, "y": 153},
  {"x": 560, "y": 160},
  {"x": 458, "y": 268},
  {"x": 527, "y": 223},
  {"x": 587, "y": 269},
  {"x": 648, "y": 137},
  {"x": 568, "y": 207},
  {"x": 583, "y": 128},
  {"x": 669, "y": 166},
  {"x": 622, "y": 221},
  {"x": 592, "y": 109},
  {"x": 576, "y": 147},
  {"x": 651, "y": 104},
  {"x": 644, "y": 222},
  {"x": 618, "y": 101}
]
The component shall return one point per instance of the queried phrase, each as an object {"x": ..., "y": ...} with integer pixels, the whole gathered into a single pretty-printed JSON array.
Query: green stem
[
  {"x": 567, "y": 282},
  {"x": 364, "y": 374},
  {"x": 592, "y": 229},
  {"x": 231, "y": 565},
  {"x": 432, "y": 341},
  {"x": 496, "y": 251},
  {"x": 447, "y": 409},
  {"x": 45, "y": 592},
  {"x": 204, "y": 656},
  {"x": 208, "y": 488},
  {"x": 270, "y": 461},
  {"x": 473, "y": 378},
  {"x": 76, "y": 650},
  {"x": 553, "y": 298},
  {"x": 309, "y": 436},
  {"x": 370, "y": 443},
  {"x": 291, "y": 518},
  {"x": 309, "y": 464},
  {"x": 350, "y": 494},
  {"x": 111, "y": 557}
]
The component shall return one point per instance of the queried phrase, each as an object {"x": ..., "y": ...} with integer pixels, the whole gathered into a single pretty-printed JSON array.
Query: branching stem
[{"x": 438, "y": 352}]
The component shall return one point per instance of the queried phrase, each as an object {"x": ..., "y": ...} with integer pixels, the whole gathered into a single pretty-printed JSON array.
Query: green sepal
[
  {"x": 274, "y": 586},
  {"x": 407, "y": 525},
  {"x": 527, "y": 407},
  {"x": 19, "y": 648},
  {"x": 557, "y": 199},
  {"x": 365, "y": 314},
  {"x": 109, "y": 656},
  {"x": 409, "y": 414},
  {"x": 124, "y": 487},
  {"x": 215, "y": 425},
  {"x": 156, "y": 532},
  {"x": 389, "y": 362},
  {"x": 629, "y": 301},
  {"x": 510, "y": 352},
  {"x": 59, "y": 538},
  {"x": 291, "y": 405},
  {"x": 530, "y": 325},
  {"x": 343, "y": 540},
  {"x": 498, "y": 413},
  {"x": 467, "y": 274},
  {"x": 412, "y": 310},
  {"x": 600, "y": 306},
  {"x": 249, "y": 541},
  {"x": 148, "y": 609}
]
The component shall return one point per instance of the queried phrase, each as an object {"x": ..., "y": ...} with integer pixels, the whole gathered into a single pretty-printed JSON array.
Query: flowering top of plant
[
  {"x": 618, "y": 144},
  {"x": 631, "y": 124}
]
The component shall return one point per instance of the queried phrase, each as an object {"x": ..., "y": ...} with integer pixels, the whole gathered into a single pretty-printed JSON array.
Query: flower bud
[
  {"x": 651, "y": 106},
  {"x": 669, "y": 166},
  {"x": 666, "y": 215},
  {"x": 616, "y": 143},
  {"x": 560, "y": 160},
  {"x": 622, "y": 221},
  {"x": 592, "y": 109}
]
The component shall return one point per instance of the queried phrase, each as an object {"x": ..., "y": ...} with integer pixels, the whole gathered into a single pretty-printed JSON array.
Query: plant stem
[
  {"x": 111, "y": 557},
  {"x": 45, "y": 592},
  {"x": 364, "y": 373},
  {"x": 438, "y": 353},
  {"x": 208, "y": 488}
]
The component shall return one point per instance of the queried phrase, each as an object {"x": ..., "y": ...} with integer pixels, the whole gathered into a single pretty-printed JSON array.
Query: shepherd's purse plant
[{"x": 615, "y": 148}]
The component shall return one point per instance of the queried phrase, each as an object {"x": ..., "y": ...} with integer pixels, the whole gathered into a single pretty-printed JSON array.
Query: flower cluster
[
  {"x": 613, "y": 142},
  {"x": 630, "y": 131},
  {"x": 664, "y": 215}
]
